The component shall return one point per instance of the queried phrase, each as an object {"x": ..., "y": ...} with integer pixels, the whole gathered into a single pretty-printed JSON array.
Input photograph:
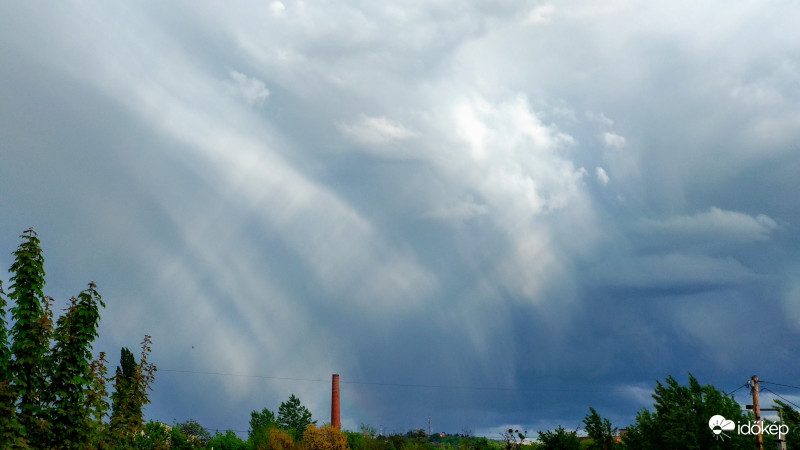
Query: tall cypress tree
[{"x": 30, "y": 334}]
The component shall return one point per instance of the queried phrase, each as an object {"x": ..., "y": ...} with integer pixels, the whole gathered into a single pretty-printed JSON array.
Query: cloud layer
[{"x": 422, "y": 198}]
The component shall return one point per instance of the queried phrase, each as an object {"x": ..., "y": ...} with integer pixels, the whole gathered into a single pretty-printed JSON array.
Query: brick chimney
[{"x": 336, "y": 420}]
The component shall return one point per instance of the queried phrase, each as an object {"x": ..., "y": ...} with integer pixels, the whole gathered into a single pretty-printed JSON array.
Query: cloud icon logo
[{"x": 719, "y": 424}]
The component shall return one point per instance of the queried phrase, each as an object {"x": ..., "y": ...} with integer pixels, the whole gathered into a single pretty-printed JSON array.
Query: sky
[{"x": 485, "y": 213}]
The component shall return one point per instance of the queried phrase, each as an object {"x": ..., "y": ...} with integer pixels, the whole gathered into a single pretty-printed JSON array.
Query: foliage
[
  {"x": 513, "y": 438},
  {"x": 278, "y": 439},
  {"x": 52, "y": 394},
  {"x": 10, "y": 430},
  {"x": 792, "y": 419},
  {"x": 70, "y": 376},
  {"x": 154, "y": 435},
  {"x": 354, "y": 440},
  {"x": 228, "y": 441},
  {"x": 559, "y": 439},
  {"x": 30, "y": 334},
  {"x": 324, "y": 438},
  {"x": 600, "y": 431},
  {"x": 194, "y": 431},
  {"x": 131, "y": 385},
  {"x": 680, "y": 419},
  {"x": 260, "y": 423},
  {"x": 294, "y": 417}
]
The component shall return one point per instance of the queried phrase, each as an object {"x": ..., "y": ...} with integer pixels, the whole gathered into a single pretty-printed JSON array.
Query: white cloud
[
  {"x": 277, "y": 8},
  {"x": 540, "y": 14},
  {"x": 714, "y": 225},
  {"x": 601, "y": 175},
  {"x": 252, "y": 90},
  {"x": 376, "y": 130},
  {"x": 613, "y": 140}
]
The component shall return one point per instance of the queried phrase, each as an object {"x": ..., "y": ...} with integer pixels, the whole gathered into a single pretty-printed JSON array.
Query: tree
[
  {"x": 680, "y": 419},
  {"x": 260, "y": 423},
  {"x": 294, "y": 417},
  {"x": 31, "y": 337},
  {"x": 131, "y": 385},
  {"x": 600, "y": 431},
  {"x": 52, "y": 394},
  {"x": 71, "y": 361},
  {"x": 10, "y": 430},
  {"x": 324, "y": 438},
  {"x": 514, "y": 438},
  {"x": 194, "y": 431},
  {"x": 227, "y": 441},
  {"x": 559, "y": 439}
]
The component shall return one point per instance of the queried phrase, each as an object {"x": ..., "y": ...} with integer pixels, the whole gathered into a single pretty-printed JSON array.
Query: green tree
[
  {"x": 131, "y": 385},
  {"x": 559, "y": 439},
  {"x": 680, "y": 419},
  {"x": 294, "y": 417},
  {"x": 31, "y": 337},
  {"x": 600, "y": 431},
  {"x": 228, "y": 441},
  {"x": 194, "y": 431},
  {"x": 260, "y": 425},
  {"x": 10, "y": 430},
  {"x": 71, "y": 361}
]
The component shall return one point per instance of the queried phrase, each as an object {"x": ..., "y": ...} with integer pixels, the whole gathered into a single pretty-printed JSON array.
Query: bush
[{"x": 324, "y": 438}]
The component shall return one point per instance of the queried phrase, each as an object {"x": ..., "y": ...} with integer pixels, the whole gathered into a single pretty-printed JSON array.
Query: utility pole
[{"x": 757, "y": 412}]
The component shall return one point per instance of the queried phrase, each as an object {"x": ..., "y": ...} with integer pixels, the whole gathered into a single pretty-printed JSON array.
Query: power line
[
  {"x": 731, "y": 393},
  {"x": 779, "y": 384},
  {"x": 387, "y": 384},
  {"x": 782, "y": 397}
]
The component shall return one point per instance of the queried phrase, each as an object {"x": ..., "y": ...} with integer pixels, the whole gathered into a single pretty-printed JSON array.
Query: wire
[
  {"x": 240, "y": 375},
  {"x": 782, "y": 397},
  {"x": 779, "y": 384},
  {"x": 731, "y": 393},
  {"x": 407, "y": 385}
]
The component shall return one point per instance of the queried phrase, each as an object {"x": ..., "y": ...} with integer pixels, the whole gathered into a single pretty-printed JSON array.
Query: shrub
[{"x": 324, "y": 438}]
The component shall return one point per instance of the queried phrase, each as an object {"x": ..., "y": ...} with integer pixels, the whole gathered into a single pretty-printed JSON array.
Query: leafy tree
[
  {"x": 194, "y": 431},
  {"x": 278, "y": 440},
  {"x": 71, "y": 361},
  {"x": 559, "y": 439},
  {"x": 96, "y": 400},
  {"x": 600, "y": 431},
  {"x": 31, "y": 337},
  {"x": 227, "y": 441},
  {"x": 324, "y": 438},
  {"x": 294, "y": 417},
  {"x": 260, "y": 423},
  {"x": 792, "y": 419},
  {"x": 680, "y": 419},
  {"x": 52, "y": 395}
]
